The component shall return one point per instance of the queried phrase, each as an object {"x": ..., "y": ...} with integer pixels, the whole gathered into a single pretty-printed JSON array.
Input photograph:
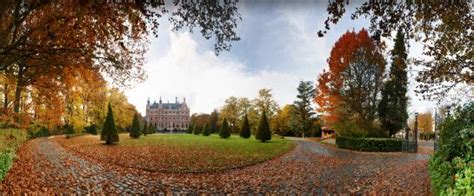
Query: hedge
[{"x": 370, "y": 144}]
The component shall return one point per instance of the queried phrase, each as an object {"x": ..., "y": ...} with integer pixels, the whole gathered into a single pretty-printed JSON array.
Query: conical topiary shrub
[
  {"x": 245, "y": 130},
  {"x": 196, "y": 130},
  {"x": 225, "y": 129},
  {"x": 109, "y": 132},
  {"x": 151, "y": 128},
  {"x": 135, "y": 132},
  {"x": 145, "y": 128},
  {"x": 205, "y": 130},
  {"x": 263, "y": 131},
  {"x": 190, "y": 129}
]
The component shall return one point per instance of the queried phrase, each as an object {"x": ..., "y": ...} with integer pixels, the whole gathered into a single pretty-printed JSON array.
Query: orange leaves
[{"x": 345, "y": 52}]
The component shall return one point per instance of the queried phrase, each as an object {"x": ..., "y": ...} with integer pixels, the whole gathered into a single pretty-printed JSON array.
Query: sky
[{"x": 279, "y": 47}]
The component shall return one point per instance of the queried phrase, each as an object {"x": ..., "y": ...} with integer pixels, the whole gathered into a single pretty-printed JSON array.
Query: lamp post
[{"x": 416, "y": 132}]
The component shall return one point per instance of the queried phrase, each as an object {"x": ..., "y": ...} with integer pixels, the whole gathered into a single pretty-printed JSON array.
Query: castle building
[{"x": 168, "y": 116}]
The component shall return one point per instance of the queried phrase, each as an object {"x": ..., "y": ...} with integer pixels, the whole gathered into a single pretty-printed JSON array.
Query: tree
[
  {"x": 191, "y": 128},
  {"x": 349, "y": 90},
  {"x": 425, "y": 122},
  {"x": 205, "y": 130},
  {"x": 303, "y": 106},
  {"x": 285, "y": 121},
  {"x": 109, "y": 132},
  {"x": 392, "y": 109},
  {"x": 446, "y": 37},
  {"x": 230, "y": 111},
  {"x": 135, "y": 131},
  {"x": 245, "y": 128},
  {"x": 265, "y": 102},
  {"x": 225, "y": 129},
  {"x": 200, "y": 119},
  {"x": 263, "y": 131},
  {"x": 196, "y": 129},
  {"x": 145, "y": 128},
  {"x": 213, "y": 120},
  {"x": 151, "y": 128},
  {"x": 36, "y": 42}
]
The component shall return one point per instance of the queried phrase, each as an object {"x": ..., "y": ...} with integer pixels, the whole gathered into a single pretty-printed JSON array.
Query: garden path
[{"x": 44, "y": 166}]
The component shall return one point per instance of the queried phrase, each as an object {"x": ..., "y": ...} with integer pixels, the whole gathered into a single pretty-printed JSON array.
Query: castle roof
[{"x": 167, "y": 105}]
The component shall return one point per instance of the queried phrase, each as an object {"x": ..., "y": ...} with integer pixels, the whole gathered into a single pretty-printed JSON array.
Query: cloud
[{"x": 204, "y": 79}]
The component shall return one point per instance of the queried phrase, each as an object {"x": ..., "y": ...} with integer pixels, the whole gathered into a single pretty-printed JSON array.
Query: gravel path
[{"x": 43, "y": 166}]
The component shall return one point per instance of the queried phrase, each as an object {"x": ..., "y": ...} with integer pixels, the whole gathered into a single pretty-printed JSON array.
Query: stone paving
[{"x": 44, "y": 166}]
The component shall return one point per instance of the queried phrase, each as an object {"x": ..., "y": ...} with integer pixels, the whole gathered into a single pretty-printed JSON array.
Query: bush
[
  {"x": 92, "y": 129},
  {"x": 68, "y": 129},
  {"x": 451, "y": 165},
  {"x": 42, "y": 132},
  {"x": 370, "y": 144},
  {"x": 6, "y": 161},
  {"x": 10, "y": 141},
  {"x": 225, "y": 129},
  {"x": 348, "y": 128},
  {"x": 263, "y": 131},
  {"x": 354, "y": 128}
]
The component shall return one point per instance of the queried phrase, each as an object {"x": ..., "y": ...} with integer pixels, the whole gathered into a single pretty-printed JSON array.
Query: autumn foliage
[{"x": 348, "y": 90}]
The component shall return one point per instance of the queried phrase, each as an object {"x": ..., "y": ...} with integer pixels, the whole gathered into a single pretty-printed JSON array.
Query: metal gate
[{"x": 410, "y": 142}]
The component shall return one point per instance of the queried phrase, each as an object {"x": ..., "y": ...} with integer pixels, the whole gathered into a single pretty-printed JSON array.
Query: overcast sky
[{"x": 278, "y": 48}]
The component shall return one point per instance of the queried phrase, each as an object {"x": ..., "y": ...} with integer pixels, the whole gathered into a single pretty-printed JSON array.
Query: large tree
[
  {"x": 264, "y": 102},
  {"x": 303, "y": 106},
  {"x": 109, "y": 132},
  {"x": 230, "y": 111},
  {"x": 443, "y": 28},
  {"x": 392, "y": 108},
  {"x": 351, "y": 87},
  {"x": 285, "y": 122},
  {"x": 39, "y": 39}
]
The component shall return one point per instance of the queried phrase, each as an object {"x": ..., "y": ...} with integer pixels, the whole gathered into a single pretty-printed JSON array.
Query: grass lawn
[
  {"x": 179, "y": 152},
  {"x": 10, "y": 141}
]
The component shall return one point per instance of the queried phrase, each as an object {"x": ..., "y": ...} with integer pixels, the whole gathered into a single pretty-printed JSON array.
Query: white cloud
[{"x": 204, "y": 79}]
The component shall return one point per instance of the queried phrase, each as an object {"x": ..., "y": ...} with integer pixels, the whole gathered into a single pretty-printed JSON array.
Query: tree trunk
[
  {"x": 19, "y": 88},
  {"x": 5, "y": 98}
]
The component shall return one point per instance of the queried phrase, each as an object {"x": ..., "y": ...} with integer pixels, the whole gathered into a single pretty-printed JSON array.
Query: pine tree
[
  {"x": 245, "y": 129},
  {"x": 205, "y": 130},
  {"x": 145, "y": 128},
  {"x": 392, "y": 108},
  {"x": 135, "y": 132},
  {"x": 196, "y": 129},
  {"x": 225, "y": 129},
  {"x": 303, "y": 106},
  {"x": 109, "y": 131},
  {"x": 263, "y": 131}
]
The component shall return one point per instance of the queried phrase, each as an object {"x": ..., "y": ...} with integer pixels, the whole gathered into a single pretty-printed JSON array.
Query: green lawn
[
  {"x": 10, "y": 141},
  {"x": 181, "y": 152}
]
